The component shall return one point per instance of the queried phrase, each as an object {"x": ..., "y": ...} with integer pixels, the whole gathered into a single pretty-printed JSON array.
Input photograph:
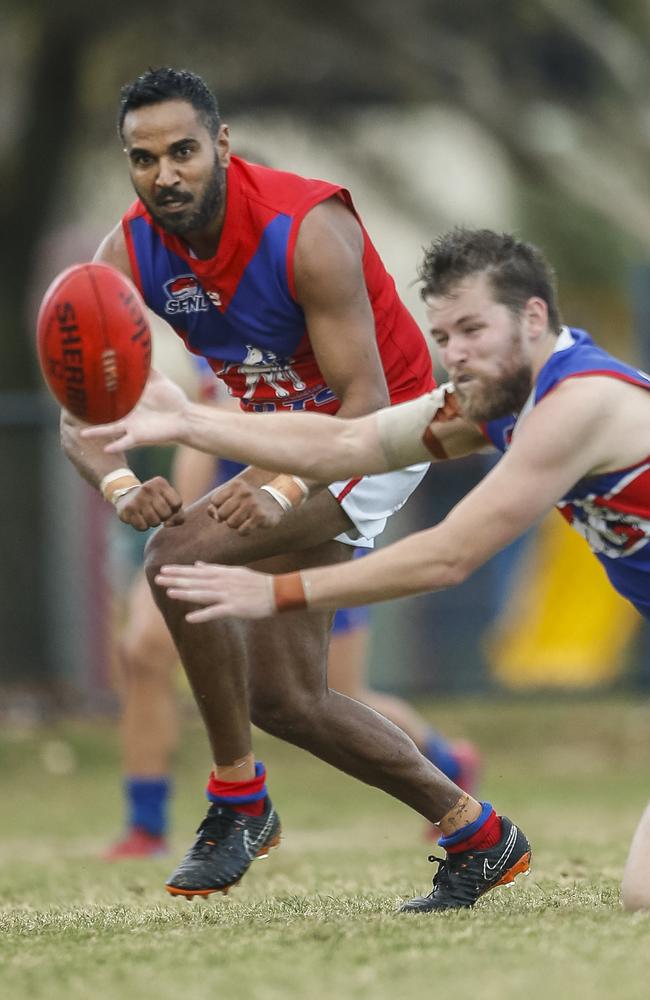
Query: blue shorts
[
  {"x": 349, "y": 620},
  {"x": 226, "y": 469}
]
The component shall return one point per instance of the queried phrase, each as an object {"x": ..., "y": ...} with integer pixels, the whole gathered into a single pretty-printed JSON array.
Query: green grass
[{"x": 317, "y": 919}]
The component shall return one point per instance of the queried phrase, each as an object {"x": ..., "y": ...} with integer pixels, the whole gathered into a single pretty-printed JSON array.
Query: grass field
[{"x": 317, "y": 919}]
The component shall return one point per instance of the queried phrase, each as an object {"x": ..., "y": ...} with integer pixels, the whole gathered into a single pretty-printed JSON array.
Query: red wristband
[
  {"x": 433, "y": 445},
  {"x": 289, "y": 592}
]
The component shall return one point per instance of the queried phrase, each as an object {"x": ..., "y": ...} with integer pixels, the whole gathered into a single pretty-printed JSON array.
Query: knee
[
  {"x": 147, "y": 654},
  {"x": 184, "y": 544},
  {"x": 287, "y": 716},
  {"x": 161, "y": 548},
  {"x": 147, "y": 651},
  {"x": 169, "y": 546}
]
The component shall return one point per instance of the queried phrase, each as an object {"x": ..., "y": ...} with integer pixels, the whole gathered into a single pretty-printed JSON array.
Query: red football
[{"x": 94, "y": 342}]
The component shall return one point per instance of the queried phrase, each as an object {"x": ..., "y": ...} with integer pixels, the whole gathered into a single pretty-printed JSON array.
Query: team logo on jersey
[
  {"x": 260, "y": 366},
  {"x": 320, "y": 395},
  {"x": 184, "y": 295},
  {"x": 607, "y": 531}
]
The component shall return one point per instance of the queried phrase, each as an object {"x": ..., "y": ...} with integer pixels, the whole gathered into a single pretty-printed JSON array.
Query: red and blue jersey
[
  {"x": 239, "y": 308},
  {"x": 610, "y": 510}
]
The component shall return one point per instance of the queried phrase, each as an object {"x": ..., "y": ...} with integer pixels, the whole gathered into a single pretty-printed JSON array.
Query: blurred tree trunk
[{"x": 28, "y": 178}]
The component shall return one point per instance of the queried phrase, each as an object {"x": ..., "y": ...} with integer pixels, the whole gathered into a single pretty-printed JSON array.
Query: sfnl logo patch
[{"x": 184, "y": 295}]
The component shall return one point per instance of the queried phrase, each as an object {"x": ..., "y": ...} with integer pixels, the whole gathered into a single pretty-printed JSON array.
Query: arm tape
[
  {"x": 405, "y": 430},
  {"x": 288, "y": 491},
  {"x": 115, "y": 484}
]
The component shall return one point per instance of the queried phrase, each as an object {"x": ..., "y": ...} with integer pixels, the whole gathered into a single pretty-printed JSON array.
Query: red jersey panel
[{"x": 239, "y": 309}]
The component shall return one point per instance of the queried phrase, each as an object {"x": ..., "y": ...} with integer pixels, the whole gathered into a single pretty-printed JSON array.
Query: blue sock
[
  {"x": 441, "y": 754},
  {"x": 469, "y": 829},
  {"x": 147, "y": 803}
]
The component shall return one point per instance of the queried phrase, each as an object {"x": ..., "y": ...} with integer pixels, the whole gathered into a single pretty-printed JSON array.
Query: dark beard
[
  {"x": 204, "y": 213},
  {"x": 498, "y": 397}
]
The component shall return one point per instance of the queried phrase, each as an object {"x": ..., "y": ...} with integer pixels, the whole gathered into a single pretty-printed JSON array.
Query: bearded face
[
  {"x": 184, "y": 212},
  {"x": 177, "y": 167},
  {"x": 484, "y": 347},
  {"x": 487, "y": 393}
]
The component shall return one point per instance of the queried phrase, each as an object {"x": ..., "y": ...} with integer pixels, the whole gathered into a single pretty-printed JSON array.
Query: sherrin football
[{"x": 94, "y": 342}]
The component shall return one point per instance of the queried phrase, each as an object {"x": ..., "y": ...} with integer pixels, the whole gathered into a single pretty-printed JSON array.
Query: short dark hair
[
  {"x": 516, "y": 270},
  {"x": 167, "y": 84}
]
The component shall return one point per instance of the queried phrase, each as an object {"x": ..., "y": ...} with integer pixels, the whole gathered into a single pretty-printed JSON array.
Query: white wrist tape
[
  {"x": 402, "y": 427},
  {"x": 280, "y": 498},
  {"x": 302, "y": 486},
  {"x": 118, "y": 482},
  {"x": 116, "y": 494},
  {"x": 113, "y": 476}
]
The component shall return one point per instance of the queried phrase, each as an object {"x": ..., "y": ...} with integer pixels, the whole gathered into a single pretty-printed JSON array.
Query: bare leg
[
  {"x": 285, "y": 659},
  {"x": 149, "y": 725},
  {"x": 346, "y": 671},
  {"x": 292, "y": 701},
  {"x": 148, "y": 659}
]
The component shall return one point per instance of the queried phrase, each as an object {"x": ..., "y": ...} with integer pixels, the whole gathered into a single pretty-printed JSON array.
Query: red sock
[
  {"x": 485, "y": 837},
  {"x": 243, "y": 796}
]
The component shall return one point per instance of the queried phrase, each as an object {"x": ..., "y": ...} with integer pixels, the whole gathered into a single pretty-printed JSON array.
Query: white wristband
[
  {"x": 280, "y": 498},
  {"x": 302, "y": 486},
  {"x": 111, "y": 477},
  {"x": 116, "y": 494}
]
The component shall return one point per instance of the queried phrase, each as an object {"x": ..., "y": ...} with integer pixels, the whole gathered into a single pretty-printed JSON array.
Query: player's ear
[
  {"x": 222, "y": 145},
  {"x": 536, "y": 316}
]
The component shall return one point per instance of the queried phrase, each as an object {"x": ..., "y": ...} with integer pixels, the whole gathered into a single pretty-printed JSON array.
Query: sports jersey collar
[{"x": 565, "y": 340}]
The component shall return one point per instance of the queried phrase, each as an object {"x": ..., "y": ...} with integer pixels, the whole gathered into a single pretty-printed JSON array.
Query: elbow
[
  {"x": 442, "y": 574},
  {"x": 454, "y": 572},
  {"x": 357, "y": 451},
  {"x": 449, "y": 569},
  {"x": 340, "y": 455}
]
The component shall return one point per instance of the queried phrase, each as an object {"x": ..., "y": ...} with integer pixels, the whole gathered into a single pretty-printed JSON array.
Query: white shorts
[{"x": 371, "y": 500}]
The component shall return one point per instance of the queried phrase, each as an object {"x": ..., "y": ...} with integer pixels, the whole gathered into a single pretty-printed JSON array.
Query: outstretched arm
[
  {"x": 312, "y": 445},
  {"x": 330, "y": 286},
  {"x": 550, "y": 453}
]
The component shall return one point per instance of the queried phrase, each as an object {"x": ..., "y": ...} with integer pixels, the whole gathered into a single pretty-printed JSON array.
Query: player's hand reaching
[
  {"x": 159, "y": 418},
  {"x": 244, "y": 507},
  {"x": 150, "y": 504},
  {"x": 226, "y": 591}
]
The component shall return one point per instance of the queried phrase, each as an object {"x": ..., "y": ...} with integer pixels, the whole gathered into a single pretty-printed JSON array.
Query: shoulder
[
  {"x": 328, "y": 230},
  {"x": 598, "y": 393},
  {"x": 281, "y": 190},
  {"x": 113, "y": 250},
  {"x": 578, "y": 356},
  {"x": 333, "y": 216}
]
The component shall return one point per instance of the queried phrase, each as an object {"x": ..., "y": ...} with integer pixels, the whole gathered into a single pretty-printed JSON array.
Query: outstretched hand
[
  {"x": 226, "y": 591},
  {"x": 159, "y": 418}
]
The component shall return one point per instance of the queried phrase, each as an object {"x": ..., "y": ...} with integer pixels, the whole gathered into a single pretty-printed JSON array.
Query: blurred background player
[
  {"x": 148, "y": 662},
  {"x": 635, "y": 889}
]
